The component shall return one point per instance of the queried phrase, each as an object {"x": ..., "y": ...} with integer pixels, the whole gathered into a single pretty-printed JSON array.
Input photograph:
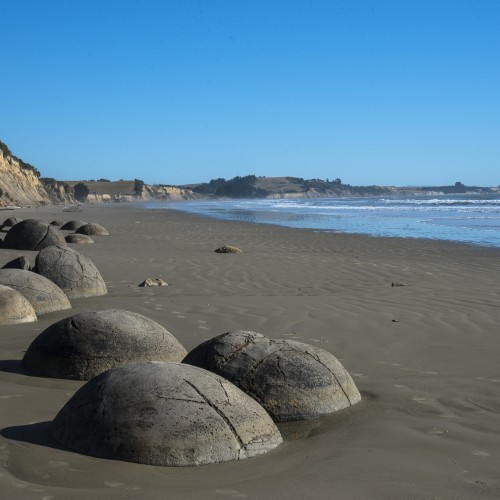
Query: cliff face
[
  {"x": 18, "y": 185},
  {"x": 167, "y": 193}
]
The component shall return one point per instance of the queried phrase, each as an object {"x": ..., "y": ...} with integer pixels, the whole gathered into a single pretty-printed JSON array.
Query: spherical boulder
[
  {"x": 14, "y": 308},
  {"x": 11, "y": 221},
  {"x": 87, "y": 344},
  {"x": 57, "y": 223},
  {"x": 33, "y": 234},
  {"x": 72, "y": 225},
  {"x": 82, "y": 239},
  {"x": 42, "y": 294},
  {"x": 291, "y": 380},
  {"x": 162, "y": 413},
  {"x": 75, "y": 274},
  {"x": 20, "y": 262},
  {"x": 93, "y": 229}
]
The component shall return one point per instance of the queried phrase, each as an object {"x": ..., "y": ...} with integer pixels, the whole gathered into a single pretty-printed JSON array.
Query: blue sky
[{"x": 177, "y": 91}]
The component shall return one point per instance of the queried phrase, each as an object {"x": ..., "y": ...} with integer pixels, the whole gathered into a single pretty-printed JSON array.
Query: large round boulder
[
  {"x": 44, "y": 295},
  {"x": 72, "y": 272},
  {"x": 87, "y": 344},
  {"x": 93, "y": 229},
  {"x": 14, "y": 307},
  {"x": 33, "y": 234},
  {"x": 291, "y": 380},
  {"x": 81, "y": 239},
  {"x": 73, "y": 225},
  {"x": 11, "y": 221},
  {"x": 162, "y": 413}
]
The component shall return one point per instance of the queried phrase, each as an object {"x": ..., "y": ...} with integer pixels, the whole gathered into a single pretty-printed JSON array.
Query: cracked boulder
[
  {"x": 73, "y": 225},
  {"x": 44, "y": 295},
  {"x": 93, "y": 229},
  {"x": 33, "y": 234},
  {"x": 82, "y": 239},
  {"x": 291, "y": 380},
  {"x": 75, "y": 274},
  {"x": 87, "y": 344},
  {"x": 161, "y": 413},
  {"x": 14, "y": 307}
]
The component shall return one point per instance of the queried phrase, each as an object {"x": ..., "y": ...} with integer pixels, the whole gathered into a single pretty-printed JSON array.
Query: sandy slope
[{"x": 425, "y": 357}]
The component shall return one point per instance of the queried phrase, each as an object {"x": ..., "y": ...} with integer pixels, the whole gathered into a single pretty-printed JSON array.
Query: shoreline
[
  {"x": 483, "y": 243},
  {"x": 424, "y": 356}
]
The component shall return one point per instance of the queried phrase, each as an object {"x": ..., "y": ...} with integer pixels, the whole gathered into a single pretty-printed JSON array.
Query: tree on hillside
[
  {"x": 138, "y": 187},
  {"x": 81, "y": 192}
]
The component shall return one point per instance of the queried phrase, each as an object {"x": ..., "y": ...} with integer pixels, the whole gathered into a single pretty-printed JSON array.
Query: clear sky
[{"x": 401, "y": 92}]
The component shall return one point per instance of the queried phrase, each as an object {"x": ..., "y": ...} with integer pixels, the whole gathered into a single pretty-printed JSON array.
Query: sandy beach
[{"x": 425, "y": 357}]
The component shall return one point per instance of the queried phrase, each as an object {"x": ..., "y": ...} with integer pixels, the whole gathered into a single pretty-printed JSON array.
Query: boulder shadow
[
  {"x": 13, "y": 366},
  {"x": 37, "y": 433}
]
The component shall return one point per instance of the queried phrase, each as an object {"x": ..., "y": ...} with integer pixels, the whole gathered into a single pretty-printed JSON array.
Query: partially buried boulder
[
  {"x": 42, "y": 294},
  {"x": 33, "y": 234},
  {"x": 20, "y": 262},
  {"x": 153, "y": 282},
  {"x": 93, "y": 229},
  {"x": 14, "y": 308},
  {"x": 87, "y": 344},
  {"x": 82, "y": 239},
  {"x": 72, "y": 272},
  {"x": 162, "y": 413},
  {"x": 291, "y": 380},
  {"x": 11, "y": 221},
  {"x": 228, "y": 249},
  {"x": 57, "y": 223},
  {"x": 72, "y": 225}
]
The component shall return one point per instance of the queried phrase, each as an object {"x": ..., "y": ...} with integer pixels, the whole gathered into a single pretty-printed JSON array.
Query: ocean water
[{"x": 468, "y": 219}]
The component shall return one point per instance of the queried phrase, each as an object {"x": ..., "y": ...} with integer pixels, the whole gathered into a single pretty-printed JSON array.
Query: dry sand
[{"x": 425, "y": 357}]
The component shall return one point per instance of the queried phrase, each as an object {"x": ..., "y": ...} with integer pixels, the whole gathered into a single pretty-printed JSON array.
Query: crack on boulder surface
[
  {"x": 220, "y": 413},
  {"x": 316, "y": 357}
]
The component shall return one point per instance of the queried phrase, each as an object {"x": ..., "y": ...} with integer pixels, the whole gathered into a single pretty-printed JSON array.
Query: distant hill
[{"x": 251, "y": 186}]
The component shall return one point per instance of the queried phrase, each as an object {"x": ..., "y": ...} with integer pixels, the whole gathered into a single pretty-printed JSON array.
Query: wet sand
[{"x": 425, "y": 357}]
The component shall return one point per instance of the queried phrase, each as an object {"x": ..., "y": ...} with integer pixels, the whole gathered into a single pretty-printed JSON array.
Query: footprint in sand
[
  {"x": 479, "y": 453},
  {"x": 438, "y": 432},
  {"x": 231, "y": 493},
  {"x": 111, "y": 484},
  {"x": 204, "y": 328},
  {"x": 421, "y": 400},
  {"x": 401, "y": 386},
  {"x": 57, "y": 465}
]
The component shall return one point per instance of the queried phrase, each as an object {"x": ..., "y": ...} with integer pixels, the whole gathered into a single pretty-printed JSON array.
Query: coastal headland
[{"x": 415, "y": 322}]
